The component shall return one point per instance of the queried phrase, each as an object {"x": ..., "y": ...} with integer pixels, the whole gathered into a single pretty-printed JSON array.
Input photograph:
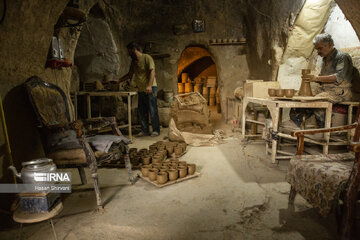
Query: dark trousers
[
  {"x": 148, "y": 103},
  {"x": 297, "y": 114}
]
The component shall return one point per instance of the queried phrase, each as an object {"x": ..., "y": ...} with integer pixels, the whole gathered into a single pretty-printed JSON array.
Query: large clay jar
[
  {"x": 173, "y": 174},
  {"x": 178, "y": 150},
  {"x": 191, "y": 168},
  {"x": 162, "y": 177},
  {"x": 182, "y": 171},
  {"x": 146, "y": 160},
  {"x": 152, "y": 174},
  {"x": 145, "y": 170}
]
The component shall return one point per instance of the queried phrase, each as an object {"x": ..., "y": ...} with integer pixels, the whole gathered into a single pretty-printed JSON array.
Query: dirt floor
[{"x": 239, "y": 195}]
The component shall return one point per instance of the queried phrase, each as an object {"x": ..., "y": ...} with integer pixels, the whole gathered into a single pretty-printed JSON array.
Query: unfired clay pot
[
  {"x": 156, "y": 159},
  {"x": 152, "y": 174},
  {"x": 170, "y": 149},
  {"x": 178, "y": 150},
  {"x": 173, "y": 174},
  {"x": 182, "y": 171},
  {"x": 146, "y": 160},
  {"x": 191, "y": 168},
  {"x": 145, "y": 170},
  {"x": 272, "y": 92},
  {"x": 280, "y": 92},
  {"x": 289, "y": 93},
  {"x": 162, "y": 177},
  {"x": 182, "y": 163},
  {"x": 156, "y": 165}
]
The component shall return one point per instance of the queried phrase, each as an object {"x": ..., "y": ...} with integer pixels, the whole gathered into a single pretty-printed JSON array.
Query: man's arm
[
  {"x": 151, "y": 81},
  {"x": 324, "y": 79},
  {"x": 127, "y": 76}
]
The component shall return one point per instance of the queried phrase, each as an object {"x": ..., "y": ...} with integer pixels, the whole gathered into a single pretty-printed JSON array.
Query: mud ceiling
[{"x": 26, "y": 32}]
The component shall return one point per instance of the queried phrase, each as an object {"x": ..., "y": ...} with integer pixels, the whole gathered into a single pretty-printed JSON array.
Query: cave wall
[
  {"x": 153, "y": 21},
  {"x": 25, "y": 36},
  {"x": 350, "y": 8}
]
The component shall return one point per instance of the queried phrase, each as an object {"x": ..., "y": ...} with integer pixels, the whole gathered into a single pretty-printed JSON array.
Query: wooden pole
[{"x": 7, "y": 142}]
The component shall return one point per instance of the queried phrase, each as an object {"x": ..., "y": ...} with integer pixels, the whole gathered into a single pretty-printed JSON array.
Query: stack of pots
[
  {"x": 156, "y": 168},
  {"x": 168, "y": 170},
  {"x": 212, "y": 96}
]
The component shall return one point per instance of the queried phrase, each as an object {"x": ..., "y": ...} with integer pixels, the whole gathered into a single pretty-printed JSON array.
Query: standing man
[
  {"x": 335, "y": 79},
  {"x": 143, "y": 70}
]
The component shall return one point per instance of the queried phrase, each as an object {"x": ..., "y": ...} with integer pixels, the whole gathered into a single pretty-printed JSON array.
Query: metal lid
[{"x": 37, "y": 162}]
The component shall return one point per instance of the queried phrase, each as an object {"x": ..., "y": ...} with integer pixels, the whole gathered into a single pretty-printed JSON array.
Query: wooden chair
[
  {"x": 324, "y": 179},
  {"x": 65, "y": 141}
]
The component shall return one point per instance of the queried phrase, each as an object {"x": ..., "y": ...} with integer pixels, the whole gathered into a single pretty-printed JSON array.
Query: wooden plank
[
  {"x": 196, "y": 174},
  {"x": 253, "y": 121}
]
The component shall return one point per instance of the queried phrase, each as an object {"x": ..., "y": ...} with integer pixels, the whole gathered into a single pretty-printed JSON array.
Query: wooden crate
[{"x": 259, "y": 88}]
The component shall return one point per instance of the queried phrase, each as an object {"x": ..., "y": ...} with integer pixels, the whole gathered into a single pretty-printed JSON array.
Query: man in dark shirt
[{"x": 334, "y": 79}]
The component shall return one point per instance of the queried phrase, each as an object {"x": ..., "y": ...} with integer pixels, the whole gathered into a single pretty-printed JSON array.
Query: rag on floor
[{"x": 104, "y": 142}]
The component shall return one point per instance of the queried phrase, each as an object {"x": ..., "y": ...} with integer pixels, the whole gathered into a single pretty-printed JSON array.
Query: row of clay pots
[
  {"x": 171, "y": 147},
  {"x": 167, "y": 171},
  {"x": 146, "y": 156}
]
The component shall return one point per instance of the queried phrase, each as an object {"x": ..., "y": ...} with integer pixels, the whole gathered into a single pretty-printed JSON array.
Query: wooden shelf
[{"x": 229, "y": 43}]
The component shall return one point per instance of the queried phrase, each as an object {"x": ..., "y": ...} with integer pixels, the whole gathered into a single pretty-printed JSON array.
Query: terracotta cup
[
  {"x": 191, "y": 168},
  {"x": 289, "y": 93},
  {"x": 280, "y": 92},
  {"x": 146, "y": 160},
  {"x": 182, "y": 163},
  {"x": 178, "y": 150},
  {"x": 162, "y": 177},
  {"x": 152, "y": 175},
  {"x": 173, "y": 174},
  {"x": 182, "y": 171},
  {"x": 272, "y": 92},
  {"x": 145, "y": 170}
]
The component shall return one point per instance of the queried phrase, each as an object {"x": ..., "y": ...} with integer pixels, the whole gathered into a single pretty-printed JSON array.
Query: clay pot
[
  {"x": 182, "y": 171},
  {"x": 289, "y": 93},
  {"x": 272, "y": 92},
  {"x": 146, "y": 160},
  {"x": 164, "y": 167},
  {"x": 191, "y": 168},
  {"x": 162, "y": 177},
  {"x": 178, "y": 150},
  {"x": 170, "y": 149},
  {"x": 152, "y": 147},
  {"x": 145, "y": 170},
  {"x": 132, "y": 150},
  {"x": 161, "y": 147},
  {"x": 183, "y": 145},
  {"x": 156, "y": 159},
  {"x": 173, "y": 174},
  {"x": 152, "y": 174},
  {"x": 156, "y": 165},
  {"x": 182, "y": 163},
  {"x": 280, "y": 92},
  {"x": 174, "y": 165},
  {"x": 305, "y": 71}
]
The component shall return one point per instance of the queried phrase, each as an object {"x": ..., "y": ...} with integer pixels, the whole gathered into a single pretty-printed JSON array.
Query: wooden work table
[
  {"x": 109, "y": 94},
  {"x": 275, "y": 105}
]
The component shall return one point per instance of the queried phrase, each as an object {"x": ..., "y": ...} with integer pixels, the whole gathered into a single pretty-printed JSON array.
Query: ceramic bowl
[
  {"x": 289, "y": 93},
  {"x": 280, "y": 92},
  {"x": 272, "y": 92}
]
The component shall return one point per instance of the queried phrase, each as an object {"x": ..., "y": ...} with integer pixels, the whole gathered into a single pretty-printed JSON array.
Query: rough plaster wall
[
  {"x": 25, "y": 37},
  {"x": 350, "y": 8},
  {"x": 268, "y": 25},
  {"x": 96, "y": 51},
  {"x": 153, "y": 22},
  {"x": 310, "y": 22}
]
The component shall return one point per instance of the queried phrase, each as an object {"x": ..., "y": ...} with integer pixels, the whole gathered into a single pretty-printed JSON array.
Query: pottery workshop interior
[{"x": 179, "y": 119}]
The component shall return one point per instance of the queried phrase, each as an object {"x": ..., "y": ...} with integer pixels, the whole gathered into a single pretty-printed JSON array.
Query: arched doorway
[{"x": 197, "y": 72}]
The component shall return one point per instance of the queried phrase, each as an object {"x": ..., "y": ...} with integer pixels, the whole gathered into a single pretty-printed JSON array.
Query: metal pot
[{"x": 41, "y": 165}]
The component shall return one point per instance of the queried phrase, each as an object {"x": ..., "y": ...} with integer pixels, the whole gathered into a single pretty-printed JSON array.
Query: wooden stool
[{"x": 26, "y": 217}]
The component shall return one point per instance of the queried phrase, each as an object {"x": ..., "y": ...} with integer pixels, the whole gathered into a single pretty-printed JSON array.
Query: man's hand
[
  {"x": 314, "y": 78},
  {"x": 149, "y": 89}
]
